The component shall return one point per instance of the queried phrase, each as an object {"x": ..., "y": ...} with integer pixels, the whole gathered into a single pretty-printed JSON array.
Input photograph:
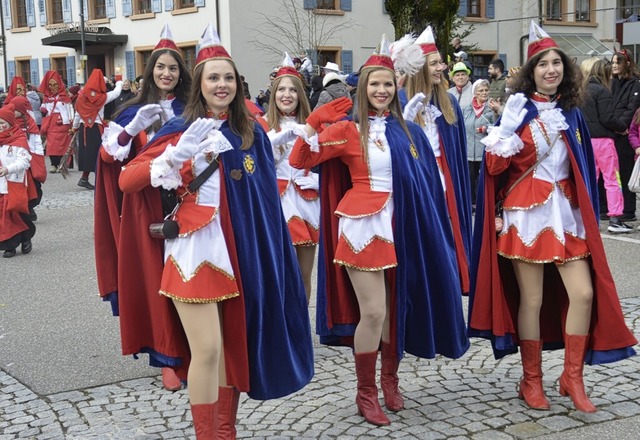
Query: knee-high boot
[
  {"x": 531, "y": 384},
  {"x": 228, "y": 399},
  {"x": 367, "y": 397},
  {"x": 393, "y": 400},
  {"x": 205, "y": 420},
  {"x": 571, "y": 379}
]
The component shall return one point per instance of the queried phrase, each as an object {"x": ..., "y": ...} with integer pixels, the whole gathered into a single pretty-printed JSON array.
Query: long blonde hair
[
  {"x": 302, "y": 111},
  {"x": 421, "y": 82},
  {"x": 362, "y": 115}
]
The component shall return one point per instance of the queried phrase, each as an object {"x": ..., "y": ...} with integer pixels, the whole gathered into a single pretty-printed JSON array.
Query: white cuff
[
  {"x": 163, "y": 174},
  {"x": 110, "y": 142},
  {"x": 508, "y": 147},
  {"x": 314, "y": 145}
]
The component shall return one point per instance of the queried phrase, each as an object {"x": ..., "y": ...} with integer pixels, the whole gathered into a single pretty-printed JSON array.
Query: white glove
[
  {"x": 118, "y": 84},
  {"x": 191, "y": 140},
  {"x": 512, "y": 115},
  {"x": 311, "y": 181},
  {"x": 143, "y": 119},
  {"x": 413, "y": 107},
  {"x": 281, "y": 137}
]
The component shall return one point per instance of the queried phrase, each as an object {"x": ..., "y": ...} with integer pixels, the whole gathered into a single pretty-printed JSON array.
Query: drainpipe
[{"x": 3, "y": 46}]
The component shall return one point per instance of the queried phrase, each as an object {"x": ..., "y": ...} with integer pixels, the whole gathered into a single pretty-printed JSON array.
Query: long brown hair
[
  {"x": 362, "y": 115},
  {"x": 624, "y": 60},
  {"x": 149, "y": 93},
  {"x": 421, "y": 82},
  {"x": 302, "y": 110},
  {"x": 240, "y": 119},
  {"x": 570, "y": 88}
]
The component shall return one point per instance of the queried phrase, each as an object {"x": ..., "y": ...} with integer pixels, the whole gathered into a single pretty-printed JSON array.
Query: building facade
[{"x": 118, "y": 35}]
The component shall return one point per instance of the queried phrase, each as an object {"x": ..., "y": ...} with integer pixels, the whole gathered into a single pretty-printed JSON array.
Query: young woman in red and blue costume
[
  {"x": 543, "y": 280},
  {"x": 228, "y": 274},
  {"x": 165, "y": 85},
  {"x": 425, "y": 99},
  {"x": 387, "y": 273},
  {"x": 288, "y": 109}
]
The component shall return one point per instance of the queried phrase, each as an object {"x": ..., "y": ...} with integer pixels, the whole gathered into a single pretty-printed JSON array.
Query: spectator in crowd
[
  {"x": 478, "y": 117},
  {"x": 463, "y": 57},
  {"x": 330, "y": 67},
  {"x": 602, "y": 124},
  {"x": 462, "y": 85},
  {"x": 265, "y": 94},
  {"x": 137, "y": 84},
  {"x": 125, "y": 95},
  {"x": 316, "y": 90},
  {"x": 498, "y": 78},
  {"x": 245, "y": 88},
  {"x": 540, "y": 273},
  {"x": 306, "y": 67},
  {"x": 456, "y": 46},
  {"x": 333, "y": 88},
  {"x": 625, "y": 88},
  {"x": 36, "y": 101}
]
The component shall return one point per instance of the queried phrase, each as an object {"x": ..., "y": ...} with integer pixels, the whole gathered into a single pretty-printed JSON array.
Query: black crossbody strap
[{"x": 203, "y": 176}]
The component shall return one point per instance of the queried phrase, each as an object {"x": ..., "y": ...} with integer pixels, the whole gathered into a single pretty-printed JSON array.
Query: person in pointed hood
[
  {"x": 16, "y": 88},
  {"x": 57, "y": 116},
  {"x": 426, "y": 101},
  {"x": 16, "y": 227},
  {"x": 228, "y": 274},
  {"x": 89, "y": 121},
  {"x": 165, "y": 86},
  {"x": 383, "y": 212},
  {"x": 287, "y": 112},
  {"x": 540, "y": 277}
]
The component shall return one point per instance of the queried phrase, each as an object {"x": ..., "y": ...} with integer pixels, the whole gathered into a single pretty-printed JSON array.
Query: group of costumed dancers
[{"x": 381, "y": 189}]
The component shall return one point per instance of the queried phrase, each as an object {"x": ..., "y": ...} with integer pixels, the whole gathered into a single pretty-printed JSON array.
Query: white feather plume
[{"x": 407, "y": 57}]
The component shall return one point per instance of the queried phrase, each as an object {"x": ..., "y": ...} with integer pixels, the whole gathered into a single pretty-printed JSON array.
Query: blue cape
[
  {"x": 427, "y": 318},
  {"x": 494, "y": 289}
]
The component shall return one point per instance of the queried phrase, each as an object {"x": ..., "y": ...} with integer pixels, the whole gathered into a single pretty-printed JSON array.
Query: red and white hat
[
  {"x": 166, "y": 41},
  {"x": 211, "y": 47},
  {"x": 287, "y": 68},
  {"x": 381, "y": 56},
  {"x": 539, "y": 41},
  {"x": 427, "y": 41}
]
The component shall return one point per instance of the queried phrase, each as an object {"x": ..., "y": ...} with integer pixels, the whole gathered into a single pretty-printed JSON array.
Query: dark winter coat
[{"x": 598, "y": 111}]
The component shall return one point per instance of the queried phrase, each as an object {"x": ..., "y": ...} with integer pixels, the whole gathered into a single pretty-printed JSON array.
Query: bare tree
[{"x": 296, "y": 29}]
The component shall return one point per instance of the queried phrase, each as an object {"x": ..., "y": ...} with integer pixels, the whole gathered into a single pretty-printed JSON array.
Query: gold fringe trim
[
  {"x": 342, "y": 214},
  {"x": 200, "y": 266},
  {"x": 186, "y": 234},
  {"x": 355, "y": 251},
  {"x": 560, "y": 239},
  {"x": 199, "y": 300},
  {"x": 307, "y": 243},
  {"x": 364, "y": 269},
  {"x": 304, "y": 221},
  {"x": 556, "y": 259},
  {"x": 526, "y": 208}
]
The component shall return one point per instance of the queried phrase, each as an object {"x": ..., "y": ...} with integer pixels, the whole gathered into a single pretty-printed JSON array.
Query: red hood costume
[
  {"x": 91, "y": 98},
  {"x": 13, "y": 89}
]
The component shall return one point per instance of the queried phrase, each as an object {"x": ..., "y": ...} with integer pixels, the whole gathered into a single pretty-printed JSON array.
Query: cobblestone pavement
[
  {"x": 473, "y": 397},
  {"x": 470, "y": 398}
]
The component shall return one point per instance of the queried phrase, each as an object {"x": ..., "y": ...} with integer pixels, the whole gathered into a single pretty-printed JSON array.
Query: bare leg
[
  {"x": 306, "y": 256},
  {"x": 386, "y": 331},
  {"x": 529, "y": 277},
  {"x": 201, "y": 324},
  {"x": 576, "y": 277},
  {"x": 370, "y": 291}
]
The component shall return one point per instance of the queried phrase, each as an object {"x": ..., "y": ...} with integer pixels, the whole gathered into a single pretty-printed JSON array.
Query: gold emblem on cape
[
  {"x": 249, "y": 164},
  {"x": 578, "y": 135},
  {"x": 236, "y": 174},
  {"x": 414, "y": 151}
]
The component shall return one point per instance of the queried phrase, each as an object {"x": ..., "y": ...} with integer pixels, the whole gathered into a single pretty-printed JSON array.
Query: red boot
[
  {"x": 367, "y": 397},
  {"x": 531, "y": 384},
  {"x": 205, "y": 417},
  {"x": 571, "y": 383},
  {"x": 228, "y": 398},
  {"x": 389, "y": 379},
  {"x": 170, "y": 381}
]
